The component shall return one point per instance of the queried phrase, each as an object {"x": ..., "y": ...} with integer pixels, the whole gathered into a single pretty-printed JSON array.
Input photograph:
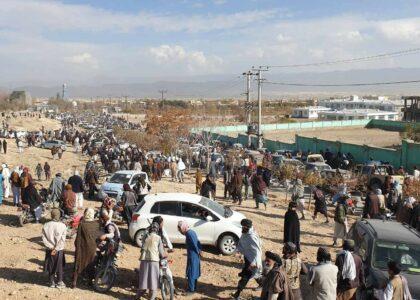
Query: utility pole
[
  {"x": 162, "y": 92},
  {"x": 248, "y": 105},
  {"x": 260, "y": 81}
]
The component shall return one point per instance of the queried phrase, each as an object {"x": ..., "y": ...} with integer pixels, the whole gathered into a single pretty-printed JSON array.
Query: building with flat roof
[
  {"x": 308, "y": 112},
  {"x": 359, "y": 114},
  {"x": 354, "y": 102}
]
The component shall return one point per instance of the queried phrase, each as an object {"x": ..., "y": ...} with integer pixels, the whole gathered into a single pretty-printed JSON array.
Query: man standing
[
  {"x": 6, "y": 178},
  {"x": 77, "y": 186},
  {"x": 56, "y": 188},
  {"x": 47, "y": 171},
  {"x": 275, "y": 284},
  {"x": 371, "y": 209},
  {"x": 5, "y": 146},
  {"x": 193, "y": 271},
  {"x": 320, "y": 203},
  {"x": 292, "y": 226},
  {"x": 397, "y": 287},
  {"x": 54, "y": 238},
  {"x": 350, "y": 272},
  {"x": 91, "y": 180},
  {"x": 323, "y": 277},
  {"x": 294, "y": 267},
  {"x": 208, "y": 188},
  {"x": 249, "y": 245},
  {"x": 16, "y": 186},
  {"x": 340, "y": 219}
]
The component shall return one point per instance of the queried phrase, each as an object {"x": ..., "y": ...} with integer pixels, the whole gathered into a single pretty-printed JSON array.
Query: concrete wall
[
  {"x": 408, "y": 155},
  {"x": 391, "y": 125},
  {"x": 285, "y": 126}
]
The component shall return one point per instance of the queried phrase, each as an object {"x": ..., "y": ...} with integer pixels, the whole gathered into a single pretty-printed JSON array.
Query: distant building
[
  {"x": 21, "y": 97},
  {"x": 359, "y": 114},
  {"x": 308, "y": 112},
  {"x": 45, "y": 108},
  {"x": 111, "y": 109},
  {"x": 411, "y": 110},
  {"x": 370, "y": 102}
]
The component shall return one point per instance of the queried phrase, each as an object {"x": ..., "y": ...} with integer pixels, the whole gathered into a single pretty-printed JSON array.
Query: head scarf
[
  {"x": 55, "y": 214},
  {"x": 183, "y": 226},
  {"x": 89, "y": 214},
  {"x": 246, "y": 223},
  {"x": 290, "y": 248},
  {"x": 154, "y": 228},
  {"x": 273, "y": 256}
]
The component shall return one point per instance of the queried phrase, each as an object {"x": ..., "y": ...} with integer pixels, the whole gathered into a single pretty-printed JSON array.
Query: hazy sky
[{"x": 74, "y": 41}]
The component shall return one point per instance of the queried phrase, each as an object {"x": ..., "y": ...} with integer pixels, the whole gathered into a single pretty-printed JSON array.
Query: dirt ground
[{"x": 22, "y": 252}]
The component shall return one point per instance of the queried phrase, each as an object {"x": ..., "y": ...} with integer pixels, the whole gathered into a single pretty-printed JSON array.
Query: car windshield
[
  {"x": 216, "y": 207},
  {"x": 408, "y": 255},
  {"x": 120, "y": 178}
]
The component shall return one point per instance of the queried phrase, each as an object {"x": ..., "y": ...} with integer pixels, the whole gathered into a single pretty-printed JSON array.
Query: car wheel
[
  {"x": 138, "y": 238},
  {"x": 227, "y": 244}
]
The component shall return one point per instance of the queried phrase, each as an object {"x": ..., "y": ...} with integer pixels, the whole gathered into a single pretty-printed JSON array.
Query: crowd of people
[{"x": 278, "y": 275}]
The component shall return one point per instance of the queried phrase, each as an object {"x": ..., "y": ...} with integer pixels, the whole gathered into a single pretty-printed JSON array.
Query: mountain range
[{"x": 225, "y": 86}]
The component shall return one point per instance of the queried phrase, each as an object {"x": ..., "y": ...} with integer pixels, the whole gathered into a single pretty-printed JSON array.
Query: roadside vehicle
[
  {"x": 376, "y": 174},
  {"x": 166, "y": 281},
  {"x": 53, "y": 143},
  {"x": 318, "y": 167},
  {"x": 215, "y": 224},
  {"x": 113, "y": 186},
  {"x": 106, "y": 268},
  {"x": 378, "y": 242}
]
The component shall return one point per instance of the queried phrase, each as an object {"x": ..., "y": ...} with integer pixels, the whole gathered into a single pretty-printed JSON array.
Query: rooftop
[
  {"x": 394, "y": 231},
  {"x": 360, "y": 112}
]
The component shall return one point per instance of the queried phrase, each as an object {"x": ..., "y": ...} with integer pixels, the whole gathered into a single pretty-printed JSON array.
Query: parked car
[
  {"x": 53, "y": 143},
  {"x": 378, "y": 242},
  {"x": 317, "y": 166},
  {"x": 113, "y": 186},
  {"x": 215, "y": 224},
  {"x": 376, "y": 174}
]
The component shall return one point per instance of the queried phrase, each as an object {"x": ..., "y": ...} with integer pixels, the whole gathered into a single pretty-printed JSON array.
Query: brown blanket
[{"x": 85, "y": 244}]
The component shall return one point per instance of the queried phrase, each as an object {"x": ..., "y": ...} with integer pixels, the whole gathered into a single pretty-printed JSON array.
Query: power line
[
  {"x": 351, "y": 60},
  {"x": 344, "y": 84}
]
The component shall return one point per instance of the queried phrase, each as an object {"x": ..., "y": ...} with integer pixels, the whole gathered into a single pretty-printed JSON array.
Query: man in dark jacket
[
  {"x": 371, "y": 209},
  {"x": 350, "y": 272},
  {"x": 91, "y": 180},
  {"x": 5, "y": 146},
  {"x": 208, "y": 188},
  {"x": 292, "y": 226},
  {"x": 77, "y": 186},
  {"x": 31, "y": 197}
]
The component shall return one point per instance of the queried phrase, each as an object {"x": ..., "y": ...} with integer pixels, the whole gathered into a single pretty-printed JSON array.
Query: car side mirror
[{"x": 209, "y": 218}]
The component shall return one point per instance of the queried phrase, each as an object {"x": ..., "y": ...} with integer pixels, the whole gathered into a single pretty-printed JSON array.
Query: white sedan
[{"x": 215, "y": 224}]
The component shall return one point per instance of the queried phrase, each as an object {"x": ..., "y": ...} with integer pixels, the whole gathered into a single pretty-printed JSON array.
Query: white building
[
  {"x": 354, "y": 102},
  {"x": 308, "y": 112},
  {"x": 359, "y": 114}
]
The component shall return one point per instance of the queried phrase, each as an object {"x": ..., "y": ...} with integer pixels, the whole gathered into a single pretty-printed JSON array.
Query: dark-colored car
[{"x": 378, "y": 242}]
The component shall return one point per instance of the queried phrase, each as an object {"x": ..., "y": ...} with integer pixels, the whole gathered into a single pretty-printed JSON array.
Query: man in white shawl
[
  {"x": 249, "y": 245},
  {"x": 350, "y": 272},
  {"x": 180, "y": 170},
  {"x": 6, "y": 180}
]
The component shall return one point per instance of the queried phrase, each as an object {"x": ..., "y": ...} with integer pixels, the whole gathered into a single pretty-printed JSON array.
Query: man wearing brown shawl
[
  {"x": 85, "y": 244},
  {"x": 237, "y": 182},
  {"x": 275, "y": 284}
]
